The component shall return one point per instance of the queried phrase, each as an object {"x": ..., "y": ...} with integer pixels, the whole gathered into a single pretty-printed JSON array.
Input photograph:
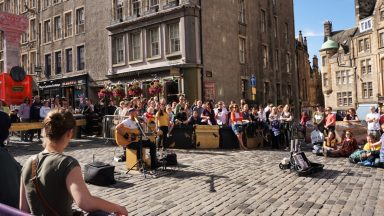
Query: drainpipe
[{"x": 201, "y": 53}]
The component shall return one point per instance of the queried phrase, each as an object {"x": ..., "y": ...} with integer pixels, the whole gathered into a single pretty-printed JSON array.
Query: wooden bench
[{"x": 37, "y": 125}]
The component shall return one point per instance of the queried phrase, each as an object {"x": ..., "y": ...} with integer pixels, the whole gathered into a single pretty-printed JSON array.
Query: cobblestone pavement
[{"x": 222, "y": 182}]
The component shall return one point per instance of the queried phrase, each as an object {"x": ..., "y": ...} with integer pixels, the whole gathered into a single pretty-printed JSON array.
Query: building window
[
  {"x": 369, "y": 66},
  {"x": 338, "y": 77},
  {"x": 288, "y": 62},
  {"x": 266, "y": 92},
  {"x": 275, "y": 27},
  {"x": 135, "y": 46},
  {"x": 365, "y": 25},
  {"x": 286, "y": 33},
  {"x": 80, "y": 21},
  {"x": 277, "y": 59},
  {"x": 58, "y": 27},
  {"x": 362, "y": 67},
  {"x": 174, "y": 38},
  {"x": 263, "y": 21},
  {"x": 68, "y": 58},
  {"x": 136, "y": 8},
  {"x": 153, "y": 5},
  {"x": 58, "y": 62},
  {"x": 32, "y": 3},
  {"x": 24, "y": 38},
  {"x": 265, "y": 56},
  {"x": 118, "y": 48},
  {"x": 381, "y": 42},
  {"x": 32, "y": 62},
  {"x": 241, "y": 11},
  {"x": 323, "y": 60},
  {"x": 56, "y": 1},
  {"x": 244, "y": 88},
  {"x": 47, "y": 3},
  {"x": 361, "y": 45},
  {"x": 119, "y": 10},
  {"x": 382, "y": 15},
  {"x": 344, "y": 99},
  {"x": 325, "y": 79},
  {"x": 24, "y": 62},
  {"x": 47, "y": 31},
  {"x": 48, "y": 64},
  {"x": 366, "y": 45},
  {"x": 32, "y": 29},
  {"x": 278, "y": 92},
  {"x": 289, "y": 90},
  {"x": 80, "y": 58},
  {"x": 367, "y": 89},
  {"x": 242, "y": 50},
  {"x": 68, "y": 24},
  {"x": 154, "y": 44}
]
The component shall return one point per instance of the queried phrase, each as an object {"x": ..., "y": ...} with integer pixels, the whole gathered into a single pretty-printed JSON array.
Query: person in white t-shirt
[
  {"x": 221, "y": 114},
  {"x": 131, "y": 123},
  {"x": 372, "y": 119}
]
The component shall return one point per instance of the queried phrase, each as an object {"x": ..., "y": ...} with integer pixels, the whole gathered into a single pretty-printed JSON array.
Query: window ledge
[
  {"x": 119, "y": 64},
  {"x": 68, "y": 36},
  {"x": 154, "y": 58},
  {"x": 135, "y": 61},
  {"x": 81, "y": 33},
  {"x": 173, "y": 55}
]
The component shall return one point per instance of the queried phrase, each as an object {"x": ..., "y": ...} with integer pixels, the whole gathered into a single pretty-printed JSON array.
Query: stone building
[
  {"x": 309, "y": 82},
  {"x": 353, "y": 59},
  {"x": 65, "y": 45},
  {"x": 207, "y": 49}
]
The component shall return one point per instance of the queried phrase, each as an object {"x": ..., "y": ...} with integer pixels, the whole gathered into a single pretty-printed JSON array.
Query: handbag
[
  {"x": 42, "y": 199},
  {"x": 99, "y": 173}
]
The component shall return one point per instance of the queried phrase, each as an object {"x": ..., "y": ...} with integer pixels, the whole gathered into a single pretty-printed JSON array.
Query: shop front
[{"x": 74, "y": 89}]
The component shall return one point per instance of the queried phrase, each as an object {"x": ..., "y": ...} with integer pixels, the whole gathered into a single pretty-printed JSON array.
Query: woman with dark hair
[
  {"x": 346, "y": 148},
  {"x": 162, "y": 124},
  {"x": 351, "y": 115},
  {"x": 208, "y": 114},
  {"x": 51, "y": 180}
]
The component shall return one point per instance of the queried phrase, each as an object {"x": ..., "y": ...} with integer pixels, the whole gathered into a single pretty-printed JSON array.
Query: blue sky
[{"x": 311, "y": 14}]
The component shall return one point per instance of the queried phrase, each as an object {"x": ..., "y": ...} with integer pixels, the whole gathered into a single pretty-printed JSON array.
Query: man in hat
[
  {"x": 10, "y": 180},
  {"x": 132, "y": 123}
]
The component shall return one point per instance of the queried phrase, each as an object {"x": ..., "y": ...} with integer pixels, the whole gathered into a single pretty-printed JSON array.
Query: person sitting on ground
[
  {"x": 351, "y": 116},
  {"x": 330, "y": 142},
  {"x": 56, "y": 179},
  {"x": 10, "y": 180},
  {"x": 194, "y": 119},
  {"x": 237, "y": 125},
  {"x": 346, "y": 148}
]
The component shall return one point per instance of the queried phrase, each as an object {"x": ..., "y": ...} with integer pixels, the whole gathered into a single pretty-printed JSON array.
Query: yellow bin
[{"x": 207, "y": 136}]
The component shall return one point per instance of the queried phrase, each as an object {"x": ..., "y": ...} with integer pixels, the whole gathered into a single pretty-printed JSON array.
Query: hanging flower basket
[
  {"x": 155, "y": 87},
  {"x": 134, "y": 89},
  {"x": 118, "y": 93}
]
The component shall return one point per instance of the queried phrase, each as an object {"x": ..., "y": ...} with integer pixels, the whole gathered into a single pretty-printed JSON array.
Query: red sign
[{"x": 12, "y": 92}]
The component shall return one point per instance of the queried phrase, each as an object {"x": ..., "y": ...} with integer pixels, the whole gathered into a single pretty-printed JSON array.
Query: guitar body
[{"x": 133, "y": 136}]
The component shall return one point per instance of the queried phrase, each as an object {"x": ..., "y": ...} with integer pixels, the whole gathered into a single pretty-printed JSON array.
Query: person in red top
[
  {"x": 330, "y": 120},
  {"x": 237, "y": 125}
]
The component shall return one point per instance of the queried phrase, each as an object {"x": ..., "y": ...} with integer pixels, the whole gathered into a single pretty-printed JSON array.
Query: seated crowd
[{"x": 371, "y": 154}]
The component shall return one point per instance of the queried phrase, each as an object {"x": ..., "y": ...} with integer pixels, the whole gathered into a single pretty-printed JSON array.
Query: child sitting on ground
[{"x": 372, "y": 151}]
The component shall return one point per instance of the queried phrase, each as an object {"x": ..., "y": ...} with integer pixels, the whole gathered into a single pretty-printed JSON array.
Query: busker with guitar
[{"x": 127, "y": 135}]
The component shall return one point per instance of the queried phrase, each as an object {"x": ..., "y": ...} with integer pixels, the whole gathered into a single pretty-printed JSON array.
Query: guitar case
[{"x": 99, "y": 173}]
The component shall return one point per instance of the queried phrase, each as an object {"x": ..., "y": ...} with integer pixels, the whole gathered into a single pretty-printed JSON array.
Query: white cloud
[{"x": 311, "y": 33}]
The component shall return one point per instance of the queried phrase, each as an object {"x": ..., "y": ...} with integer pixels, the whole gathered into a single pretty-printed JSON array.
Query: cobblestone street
[{"x": 232, "y": 183}]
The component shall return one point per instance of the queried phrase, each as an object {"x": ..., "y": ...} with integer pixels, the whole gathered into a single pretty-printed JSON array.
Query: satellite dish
[{"x": 17, "y": 74}]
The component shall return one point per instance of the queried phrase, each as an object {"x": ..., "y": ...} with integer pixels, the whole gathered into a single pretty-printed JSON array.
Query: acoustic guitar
[{"x": 133, "y": 136}]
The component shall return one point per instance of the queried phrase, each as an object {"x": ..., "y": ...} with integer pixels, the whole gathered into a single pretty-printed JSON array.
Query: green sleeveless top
[{"x": 52, "y": 171}]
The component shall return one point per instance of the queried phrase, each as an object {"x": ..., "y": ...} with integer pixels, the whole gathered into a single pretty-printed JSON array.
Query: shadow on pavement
[{"x": 327, "y": 174}]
